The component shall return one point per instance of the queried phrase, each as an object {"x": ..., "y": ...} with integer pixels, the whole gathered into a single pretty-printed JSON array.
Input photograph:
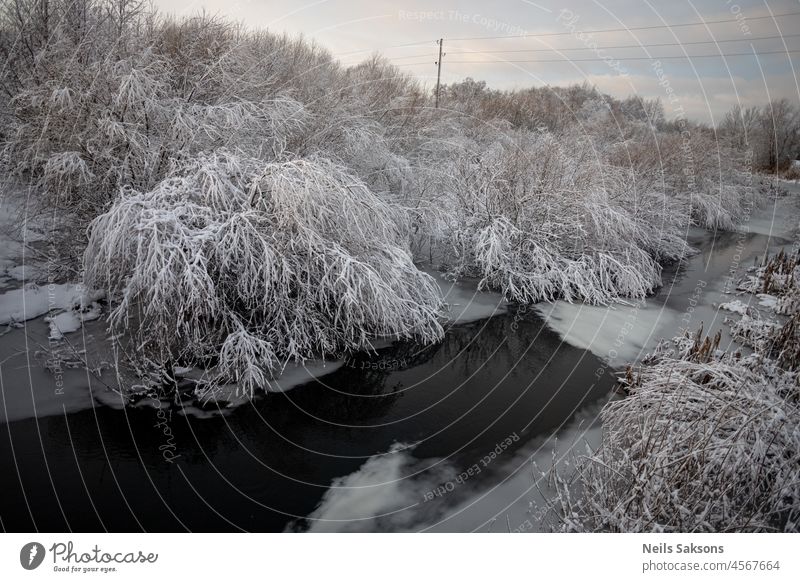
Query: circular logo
[{"x": 31, "y": 555}]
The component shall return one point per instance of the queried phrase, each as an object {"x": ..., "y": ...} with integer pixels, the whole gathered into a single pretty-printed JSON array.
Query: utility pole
[{"x": 439, "y": 72}]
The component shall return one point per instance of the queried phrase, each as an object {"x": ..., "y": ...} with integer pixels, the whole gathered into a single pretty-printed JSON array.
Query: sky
[{"x": 748, "y": 43}]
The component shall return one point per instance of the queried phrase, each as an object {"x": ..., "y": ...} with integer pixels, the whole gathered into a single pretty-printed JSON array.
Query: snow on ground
[
  {"x": 616, "y": 333},
  {"x": 768, "y": 301},
  {"x": 25, "y": 272},
  {"x": 10, "y": 256},
  {"x": 29, "y": 389},
  {"x": 620, "y": 334},
  {"x": 232, "y": 395},
  {"x": 778, "y": 219},
  {"x": 298, "y": 374},
  {"x": 465, "y": 303},
  {"x": 32, "y": 301},
  {"x": 72, "y": 320},
  {"x": 17, "y": 228},
  {"x": 735, "y": 306},
  {"x": 201, "y": 413}
]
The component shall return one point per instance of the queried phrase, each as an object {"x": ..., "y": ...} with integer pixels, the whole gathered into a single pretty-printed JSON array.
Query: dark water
[{"x": 271, "y": 461}]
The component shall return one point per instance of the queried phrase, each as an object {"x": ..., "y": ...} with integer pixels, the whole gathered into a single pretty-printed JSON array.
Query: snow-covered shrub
[
  {"x": 540, "y": 217},
  {"x": 697, "y": 446},
  {"x": 253, "y": 264},
  {"x": 123, "y": 126}
]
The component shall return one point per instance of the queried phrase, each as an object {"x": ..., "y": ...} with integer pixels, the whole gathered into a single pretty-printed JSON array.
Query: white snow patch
[
  {"x": 297, "y": 374},
  {"x": 391, "y": 492},
  {"x": 464, "y": 303},
  {"x": 72, "y": 320},
  {"x": 777, "y": 219},
  {"x": 616, "y": 333},
  {"x": 234, "y": 395},
  {"x": 110, "y": 398},
  {"x": 768, "y": 301},
  {"x": 25, "y": 272},
  {"x": 10, "y": 252},
  {"x": 17, "y": 226},
  {"x": 378, "y": 496},
  {"x": 735, "y": 306},
  {"x": 33, "y": 301},
  {"x": 196, "y": 412}
]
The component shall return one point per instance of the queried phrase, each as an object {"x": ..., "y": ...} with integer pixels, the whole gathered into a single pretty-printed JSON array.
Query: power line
[
  {"x": 550, "y": 34},
  {"x": 655, "y": 58},
  {"x": 583, "y": 48},
  {"x": 405, "y": 45},
  {"x": 598, "y": 59},
  {"x": 626, "y": 29},
  {"x": 625, "y": 46},
  {"x": 586, "y": 60}
]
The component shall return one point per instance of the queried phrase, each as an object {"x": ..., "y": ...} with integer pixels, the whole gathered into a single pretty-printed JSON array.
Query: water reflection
[{"x": 270, "y": 461}]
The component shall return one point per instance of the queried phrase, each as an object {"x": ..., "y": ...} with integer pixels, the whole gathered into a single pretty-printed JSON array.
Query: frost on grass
[
  {"x": 705, "y": 441},
  {"x": 776, "y": 281},
  {"x": 697, "y": 446},
  {"x": 247, "y": 265}
]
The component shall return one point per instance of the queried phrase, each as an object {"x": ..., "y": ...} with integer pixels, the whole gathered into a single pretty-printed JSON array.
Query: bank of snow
[{"x": 32, "y": 301}]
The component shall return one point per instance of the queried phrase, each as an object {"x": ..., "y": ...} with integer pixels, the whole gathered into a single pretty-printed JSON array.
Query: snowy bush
[
  {"x": 255, "y": 264},
  {"x": 540, "y": 219},
  {"x": 121, "y": 126},
  {"x": 697, "y": 446}
]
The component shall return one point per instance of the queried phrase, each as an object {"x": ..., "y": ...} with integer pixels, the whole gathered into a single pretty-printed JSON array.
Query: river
[{"x": 450, "y": 437}]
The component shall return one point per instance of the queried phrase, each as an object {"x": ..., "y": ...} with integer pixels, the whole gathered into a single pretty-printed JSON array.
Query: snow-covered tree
[{"x": 248, "y": 265}]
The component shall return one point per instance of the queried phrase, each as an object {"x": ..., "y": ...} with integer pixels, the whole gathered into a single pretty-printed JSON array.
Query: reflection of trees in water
[
  {"x": 517, "y": 339},
  {"x": 358, "y": 394},
  {"x": 348, "y": 395},
  {"x": 354, "y": 394}
]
